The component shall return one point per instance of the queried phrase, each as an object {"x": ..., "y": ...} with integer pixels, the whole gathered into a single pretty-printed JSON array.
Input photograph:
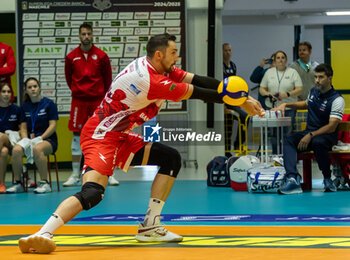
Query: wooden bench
[{"x": 307, "y": 158}]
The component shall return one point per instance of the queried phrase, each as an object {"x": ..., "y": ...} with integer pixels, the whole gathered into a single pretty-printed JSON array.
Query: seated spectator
[
  {"x": 325, "y": 110},
  {"x": 282, "y": 85},
  {"x": 39, "y": 119},
  {"x": 258, "y": 74},
  {"x": 10, "y": 115}
]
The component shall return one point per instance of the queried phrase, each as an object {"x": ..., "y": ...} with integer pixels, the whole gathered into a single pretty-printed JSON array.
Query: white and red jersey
[{"x": 136, "y": 95}]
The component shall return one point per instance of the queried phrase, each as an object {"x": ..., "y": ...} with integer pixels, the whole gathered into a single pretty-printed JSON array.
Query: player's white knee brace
[{"x": 76, "y": 150}]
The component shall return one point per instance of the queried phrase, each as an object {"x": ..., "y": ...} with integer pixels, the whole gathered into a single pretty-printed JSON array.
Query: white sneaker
[
  {"x": 156, "y": 233},
  {"x": 42, "y": 244},
  {"x": 72, "y": 181},
  {"x": 15, "y": 188},
  {"x": 43, "y": 188},
  {"x": 113, "y": 181}
]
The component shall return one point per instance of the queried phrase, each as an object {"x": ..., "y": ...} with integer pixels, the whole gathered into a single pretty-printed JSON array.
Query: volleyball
[{"x": 233, "y": 90}]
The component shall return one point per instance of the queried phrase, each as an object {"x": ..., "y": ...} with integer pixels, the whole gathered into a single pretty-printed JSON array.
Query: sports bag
[
  {"x": 265, "y": 178},
  {"x": 217, "y": 172},
  {"x": 237, "y": 167}
]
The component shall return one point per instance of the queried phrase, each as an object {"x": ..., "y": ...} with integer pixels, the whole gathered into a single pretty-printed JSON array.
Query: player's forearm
[
  {"x": 207, "y": 95},
  {"x": 7, "y": 71},
  {"x": 205, "y": 82},
  {"x": 297, "y": 105},
  {"x": 50, "y": 130},
  {"x": 331, "y": 127}
]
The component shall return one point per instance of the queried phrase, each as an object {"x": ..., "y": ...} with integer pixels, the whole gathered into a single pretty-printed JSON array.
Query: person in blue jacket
[
  {"x": 258, "y": 74},
  {"x": 39, "y": 119},
  {"x": 9, "y": 126}
]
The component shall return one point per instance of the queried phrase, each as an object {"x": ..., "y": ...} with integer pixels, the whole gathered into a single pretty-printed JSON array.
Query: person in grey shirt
[{"x": 305, "y": 68}]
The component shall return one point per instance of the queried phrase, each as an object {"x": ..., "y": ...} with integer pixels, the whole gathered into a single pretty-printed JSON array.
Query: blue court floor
[{"x": 191, "y": 202}]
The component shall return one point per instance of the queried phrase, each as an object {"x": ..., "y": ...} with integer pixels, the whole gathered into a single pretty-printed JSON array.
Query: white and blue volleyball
[{"x": 233, "y": 90}]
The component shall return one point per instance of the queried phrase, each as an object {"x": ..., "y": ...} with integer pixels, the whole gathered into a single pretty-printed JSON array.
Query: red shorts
[
  {"x": 80, "y": 112},
  {"x": 106, "y": 154}
]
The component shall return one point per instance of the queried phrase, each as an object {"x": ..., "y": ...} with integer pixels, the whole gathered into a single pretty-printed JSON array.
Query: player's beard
[{"x": 170, "y": 69}]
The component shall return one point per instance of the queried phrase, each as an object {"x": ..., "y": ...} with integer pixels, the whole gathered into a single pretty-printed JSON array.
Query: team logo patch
[
  {"x": 94, "y": 57},
  {"x": 172, "y": 87},
  {"x": 151, "y": 133}
]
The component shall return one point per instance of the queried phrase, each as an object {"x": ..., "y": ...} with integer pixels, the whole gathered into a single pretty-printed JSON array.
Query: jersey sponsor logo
[
  {"x": 144, "y": 117},
  {"x": 77, "y": 58},
  {"x": 134, "y": 89},
  {"x": 165, "y": 82},
  {"x": 12, "y": 118}
]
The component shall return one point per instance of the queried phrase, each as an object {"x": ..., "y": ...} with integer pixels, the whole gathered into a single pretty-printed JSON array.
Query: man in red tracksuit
[
  {"x": 89, "y": 76},
  {"x": 7, "y": 63}
]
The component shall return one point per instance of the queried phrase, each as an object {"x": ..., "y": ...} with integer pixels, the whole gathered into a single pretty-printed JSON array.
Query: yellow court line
[
  {"x": 77, "y": 252},
  {"x": 343, "y": 231}
]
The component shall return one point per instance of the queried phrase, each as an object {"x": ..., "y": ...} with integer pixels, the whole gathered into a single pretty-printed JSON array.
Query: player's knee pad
[
  {"x": 76, "y": 150},
  {"x": 169, "y": 159},
  {"x": 90, "y": 195}
]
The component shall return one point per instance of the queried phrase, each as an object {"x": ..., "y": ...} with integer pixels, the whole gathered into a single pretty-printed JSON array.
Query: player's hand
[
  {"x": 304, "y": 142},
  {"x": 281, "y": 107},
  {"x": 253, "y": 107}
]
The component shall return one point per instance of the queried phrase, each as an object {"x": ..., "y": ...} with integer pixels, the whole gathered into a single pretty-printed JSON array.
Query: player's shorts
[
  {"x": 104, "y": 155},
  {"x": 80, "y": 112}
]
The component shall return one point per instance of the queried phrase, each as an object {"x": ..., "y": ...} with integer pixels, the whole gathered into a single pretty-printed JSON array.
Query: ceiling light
[{"x": 338, "y": 13}]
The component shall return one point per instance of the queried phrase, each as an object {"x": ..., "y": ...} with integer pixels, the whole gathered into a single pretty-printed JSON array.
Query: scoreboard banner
[{"x": 48, "y": 30}]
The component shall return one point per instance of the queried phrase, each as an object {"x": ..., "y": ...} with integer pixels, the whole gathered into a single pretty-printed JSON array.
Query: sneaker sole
[
  {"x": 113, "y": 184},
  {"x": 36, "y": 244},
  {"x": 13, "y": 192},
  {"x": 292, "y": 192},
  {"x": 144, "y": 239}
]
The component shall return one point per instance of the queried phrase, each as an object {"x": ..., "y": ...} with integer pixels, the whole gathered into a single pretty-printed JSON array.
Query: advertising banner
[{"x": 48, "y": 30}]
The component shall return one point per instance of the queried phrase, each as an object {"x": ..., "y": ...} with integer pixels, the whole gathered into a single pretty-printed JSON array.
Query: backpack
[
  {"x": 217, "y": 172},
  {"x": 237, "y": 168},
  {"x": 344, "y": 136}
]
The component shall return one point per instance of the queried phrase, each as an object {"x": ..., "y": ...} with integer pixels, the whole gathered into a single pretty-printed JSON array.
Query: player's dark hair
[
  {"x": 86, "y": 26},
  {"x": 25, "y": 95},
  {"x": 307, "y": 44},
  {"x": 159, "y": 43},
  {"x": 326, "y": 68}
]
